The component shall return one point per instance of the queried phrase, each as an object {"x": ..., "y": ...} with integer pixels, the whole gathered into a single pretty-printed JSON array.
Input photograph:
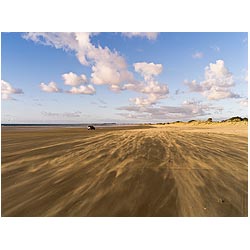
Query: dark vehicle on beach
[{"x": 90, "y": 127}]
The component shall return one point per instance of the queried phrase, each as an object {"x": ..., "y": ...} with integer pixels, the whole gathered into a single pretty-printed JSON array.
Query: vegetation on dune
[
  {"x": 236, "y": 119},
  {"x": 209, "y": 120}
]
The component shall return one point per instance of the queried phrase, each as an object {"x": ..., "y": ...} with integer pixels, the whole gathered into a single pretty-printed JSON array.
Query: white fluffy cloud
[
  {"x": 197, "y": 55},
  {"x": 217, "y": 93},
  {"x": 108, "y": 67},
  {"x": 73, "y": 79},
  {"x": 217, "y": 84},
  {"x": 153, "y": 90},
  {"x": 59, "y": 40},
  {"x": 148, "y": 70},
  {"x": 51, "y": 87},
  {"x": 7, "y": 90},
  {"x": 149, "y": 100},
  {"x": 148, "y": 35},
  {"x": 83, "y": 89}
]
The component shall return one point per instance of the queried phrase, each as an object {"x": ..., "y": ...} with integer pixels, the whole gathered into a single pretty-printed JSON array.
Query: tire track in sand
[{"x": 142, "y": 172}]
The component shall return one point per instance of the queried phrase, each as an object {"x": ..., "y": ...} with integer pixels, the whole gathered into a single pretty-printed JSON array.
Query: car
[{"x": 91, "y": 127}]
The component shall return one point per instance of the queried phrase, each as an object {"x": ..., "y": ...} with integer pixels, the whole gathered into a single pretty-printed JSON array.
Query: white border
[{"x": 124, "y": 233}]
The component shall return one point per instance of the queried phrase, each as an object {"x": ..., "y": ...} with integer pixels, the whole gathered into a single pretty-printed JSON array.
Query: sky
[{"x": 123, "y": 77}]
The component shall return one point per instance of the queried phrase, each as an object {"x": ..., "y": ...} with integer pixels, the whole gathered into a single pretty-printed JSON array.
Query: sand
[{"x": 168, "y": 170}]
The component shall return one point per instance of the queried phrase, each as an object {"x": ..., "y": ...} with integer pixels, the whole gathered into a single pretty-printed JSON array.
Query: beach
[{"x": 170, "y": 170}]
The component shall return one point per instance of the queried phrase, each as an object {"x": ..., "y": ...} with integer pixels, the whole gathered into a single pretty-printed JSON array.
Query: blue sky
[{"x": 122, "y": 77}]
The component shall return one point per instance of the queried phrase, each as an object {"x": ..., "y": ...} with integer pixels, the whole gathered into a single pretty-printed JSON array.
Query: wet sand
[{"x": 171, "y": 170}]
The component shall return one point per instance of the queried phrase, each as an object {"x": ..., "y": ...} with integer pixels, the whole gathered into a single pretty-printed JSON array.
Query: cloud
[
  {"x": 197, "y": 55},
  {"x": 60, "y": 40},
  {"x": 148, "y": 35},
  {"x": 148, "y": 70},
  {"x": 153, "y": 90},
  {"x": 7, "y": 90},
  {"x": 148, "y": 87},
  {"x": 73, "y": 79},
  {"x": 187, "y": 110},
  {"x": 115, "y": 88},
  {"x": 149, "y": 100},
  {"x": 246, "y": 76},
  {"x": 108, "y": 67},
  {"x": 194, "y": 86},
  {"x": 217, "y": 84},
  {"x": 217, "y": 93},
  {"x": 65, "y": 114},
  {"x": 244, "y": 102},
  {"x": 50, "y": 87},
  {"x": 83, "y": 89}
]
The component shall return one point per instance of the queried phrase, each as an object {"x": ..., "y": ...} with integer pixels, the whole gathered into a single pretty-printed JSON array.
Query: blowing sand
[{"x": 171, "y": 170}]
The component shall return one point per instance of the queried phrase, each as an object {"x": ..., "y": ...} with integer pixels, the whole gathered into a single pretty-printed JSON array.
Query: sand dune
[{"x": 136, "y": 171}]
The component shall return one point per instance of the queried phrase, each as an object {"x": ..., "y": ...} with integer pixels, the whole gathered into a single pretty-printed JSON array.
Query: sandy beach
[{"x": 160, "y": 170}]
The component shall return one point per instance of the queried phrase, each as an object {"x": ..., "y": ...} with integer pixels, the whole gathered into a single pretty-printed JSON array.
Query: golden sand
[{"x": 168, "y": 170}]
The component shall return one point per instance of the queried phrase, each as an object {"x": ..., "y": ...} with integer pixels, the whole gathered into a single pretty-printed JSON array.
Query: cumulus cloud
[
  {"x": 153, "y": 90},
  {"x": 51, "y": 87},
  {"x": 218, "y": 93},
  {"x": 145, "y": 101},
  {"x": 217, "y": 84},
  {"x": 108, "y": 67},
  {"x": 148, "y": 35},
  {"x": 7, "y": 90},
  {"x": 194, "y": 86},
  {"x": 148, "y": 87},
  {"x": 83, "y": 89},
  {"x": 73, "y": 79},
  {"x": 197, "y": 55},
  {"x": 148, "y": 70}
]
